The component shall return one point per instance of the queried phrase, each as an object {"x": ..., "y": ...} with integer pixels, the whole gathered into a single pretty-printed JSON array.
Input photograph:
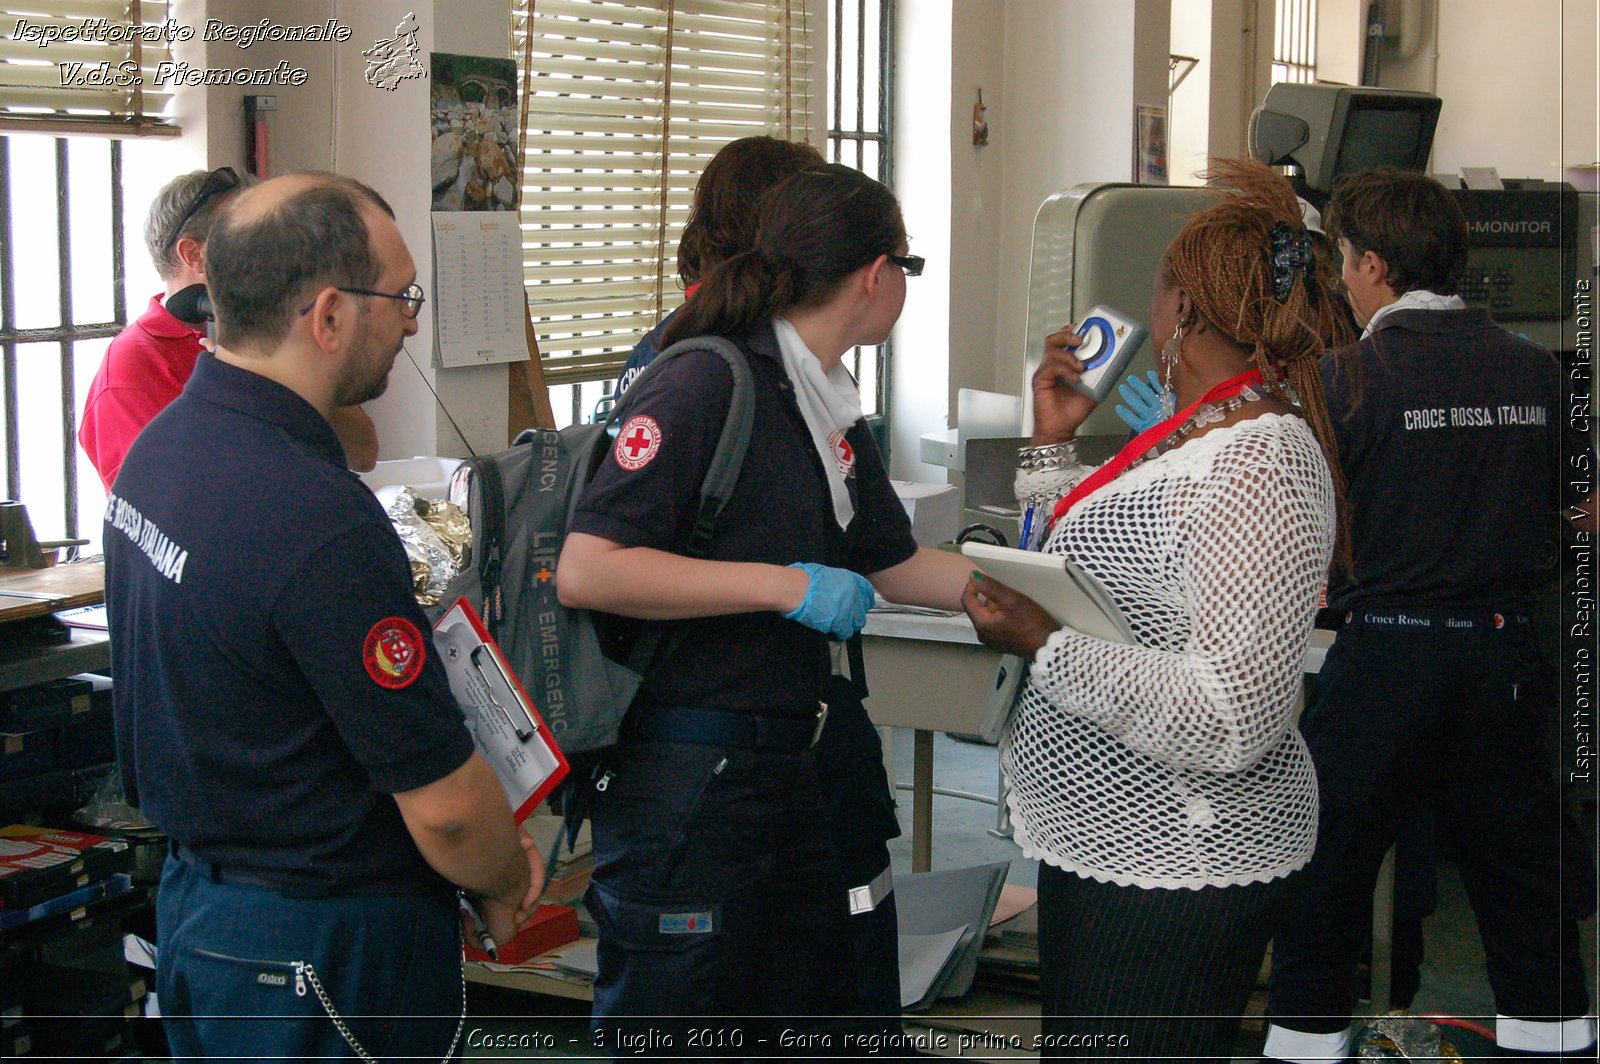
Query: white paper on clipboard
[{"x": 503, "y": 722}]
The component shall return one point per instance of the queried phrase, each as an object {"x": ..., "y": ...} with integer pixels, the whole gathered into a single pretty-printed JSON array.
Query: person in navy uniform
[
  {"x": 856, "y": 793},
  {"x": 280, "y": 713},
  {"x": 1455, "y": 443},
  {"x": 716, "y": 890}
]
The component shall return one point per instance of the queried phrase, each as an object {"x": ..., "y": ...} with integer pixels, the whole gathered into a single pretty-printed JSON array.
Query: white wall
[
  {"x": 1189, "y": 122},
  {"x": 925, "y": 145},
  {"x": 1518, "y": 81},
  {"x": 1069, "y": 117}
]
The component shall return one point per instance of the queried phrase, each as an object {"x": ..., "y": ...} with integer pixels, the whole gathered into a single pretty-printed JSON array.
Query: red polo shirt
[{"x": 145, "y": 368}]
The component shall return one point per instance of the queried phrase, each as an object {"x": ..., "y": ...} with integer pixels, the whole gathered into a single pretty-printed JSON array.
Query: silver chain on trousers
[{"x": 310, "y": 973}]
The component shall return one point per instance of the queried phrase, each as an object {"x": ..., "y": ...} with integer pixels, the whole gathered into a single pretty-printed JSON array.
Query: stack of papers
[{"x": 943, "y": 917}]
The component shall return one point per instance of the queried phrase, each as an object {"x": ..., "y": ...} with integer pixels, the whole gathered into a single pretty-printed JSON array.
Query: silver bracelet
[{"x": 1048, "y": 456}]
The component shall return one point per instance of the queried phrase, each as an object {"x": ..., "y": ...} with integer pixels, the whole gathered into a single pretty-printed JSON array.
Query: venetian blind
[
  {"x": 625, "y": 103},
  {"x": 86, "y": 66}
]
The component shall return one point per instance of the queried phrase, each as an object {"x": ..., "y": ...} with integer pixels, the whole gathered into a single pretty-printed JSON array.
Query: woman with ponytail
[
  {"x": 1162, "y": 784},
  {"x": 716, "y": 890}
]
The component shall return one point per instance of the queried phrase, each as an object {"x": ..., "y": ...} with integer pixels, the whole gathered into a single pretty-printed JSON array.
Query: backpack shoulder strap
[
  {"x": 721, "y": 476},
  {"x": 734, "y": 443}
]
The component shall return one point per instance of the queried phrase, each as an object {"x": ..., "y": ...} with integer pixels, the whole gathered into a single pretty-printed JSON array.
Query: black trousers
[
  {"x": 1451, "y": 713},
  {"x": 722, "y": 913},
  {"x": 859, "y": 807},
  {"x": 1135, "y": 974}
]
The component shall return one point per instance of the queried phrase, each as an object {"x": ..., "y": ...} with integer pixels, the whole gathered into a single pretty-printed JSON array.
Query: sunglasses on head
[{"x": 223, "y": 179}]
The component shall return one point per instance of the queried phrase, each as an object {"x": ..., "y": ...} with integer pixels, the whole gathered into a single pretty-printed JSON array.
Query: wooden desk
[
  {"x": 36, "y": 593},
  {"x": 26, "y": 593}
]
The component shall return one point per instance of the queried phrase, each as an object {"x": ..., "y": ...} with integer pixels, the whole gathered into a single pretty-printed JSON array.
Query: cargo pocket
[{"x": 656, "y": 957}]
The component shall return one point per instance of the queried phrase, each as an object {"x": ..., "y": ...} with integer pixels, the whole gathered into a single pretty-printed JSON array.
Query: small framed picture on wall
[{"x": 1150, "y": 145}]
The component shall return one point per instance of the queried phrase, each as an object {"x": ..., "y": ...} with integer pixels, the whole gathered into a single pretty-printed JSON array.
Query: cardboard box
[
  {"x": 46, "y": 705},
  {"x": 37, "y": 864},
  {"x": 552, "y": 927},
  {"x": 934, "y": 509}
]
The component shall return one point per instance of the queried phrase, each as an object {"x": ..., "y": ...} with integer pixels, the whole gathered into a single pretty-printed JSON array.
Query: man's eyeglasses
[
  {"x": 221, "y": 180},
  {"x": 411, "y": 298},
  {"x": 912, "y": 264}
]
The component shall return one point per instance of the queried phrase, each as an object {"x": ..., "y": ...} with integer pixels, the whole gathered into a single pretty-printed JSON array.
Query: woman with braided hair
[{"x": 1162, "y": 784}]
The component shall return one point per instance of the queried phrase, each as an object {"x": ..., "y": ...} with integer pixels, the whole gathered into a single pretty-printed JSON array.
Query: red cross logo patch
[
  {"x": 638, "y": 442},
  {"x": 393, "y": 653},
  {"x": 843, "y": 453}
]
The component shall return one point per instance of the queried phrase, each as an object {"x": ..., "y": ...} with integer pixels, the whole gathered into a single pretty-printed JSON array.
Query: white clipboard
[
  {"x": 1070, "y": 595},
  {"x": 505, "y": 724}
]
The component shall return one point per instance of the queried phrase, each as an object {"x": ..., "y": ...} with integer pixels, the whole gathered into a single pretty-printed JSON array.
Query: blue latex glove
[
  {"x": 836, "y": 602},
  {"x": 1144, "y": 401}
]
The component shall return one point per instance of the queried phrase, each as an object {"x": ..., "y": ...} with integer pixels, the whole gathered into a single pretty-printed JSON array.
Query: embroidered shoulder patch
[
  {"x": 638, "y": 442},
  {"x": 394, "y": 652}
]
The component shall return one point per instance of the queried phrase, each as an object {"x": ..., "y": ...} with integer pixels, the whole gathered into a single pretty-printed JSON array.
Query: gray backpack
[{"x": 520, "y": 502}]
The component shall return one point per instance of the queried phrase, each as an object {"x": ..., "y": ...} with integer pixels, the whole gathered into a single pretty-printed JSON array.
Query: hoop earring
[{"x": 1170, "y": 352}]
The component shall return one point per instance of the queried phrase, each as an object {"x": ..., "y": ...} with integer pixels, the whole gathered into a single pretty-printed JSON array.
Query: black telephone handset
[{"x": 192, "y": 306}]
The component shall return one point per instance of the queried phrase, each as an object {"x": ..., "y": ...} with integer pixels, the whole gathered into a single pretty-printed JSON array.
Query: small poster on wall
[
  {"x": 473, "y": 104},
  {"x": 1150, "y": 145}
]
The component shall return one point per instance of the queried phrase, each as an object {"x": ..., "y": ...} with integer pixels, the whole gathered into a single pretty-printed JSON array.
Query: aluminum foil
[
  {"x": 1399, "y": 1035},
  {"x": 436, "y": 537}
]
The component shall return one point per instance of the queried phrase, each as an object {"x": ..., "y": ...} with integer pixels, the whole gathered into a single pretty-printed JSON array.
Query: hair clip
[{"x": 1291, "y": 251}]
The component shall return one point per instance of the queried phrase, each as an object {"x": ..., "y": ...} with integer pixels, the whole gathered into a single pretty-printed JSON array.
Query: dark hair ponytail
[{"x": 816, "y": 228}]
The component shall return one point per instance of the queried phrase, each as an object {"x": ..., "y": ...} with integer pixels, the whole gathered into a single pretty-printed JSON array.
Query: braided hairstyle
[
  {"x": 816, "y": 229},
  {"x": 1250, "y": 267}
]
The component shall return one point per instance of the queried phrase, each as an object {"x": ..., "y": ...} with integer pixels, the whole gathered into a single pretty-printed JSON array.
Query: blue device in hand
[{"x": 1110, "y": 340}]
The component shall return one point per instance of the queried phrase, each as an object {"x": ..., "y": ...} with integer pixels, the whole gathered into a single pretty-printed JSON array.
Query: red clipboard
[{"x": 504, "y": 722}]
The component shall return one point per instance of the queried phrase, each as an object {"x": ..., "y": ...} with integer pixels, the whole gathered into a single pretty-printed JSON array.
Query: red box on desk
[{"x": 552, "y": 927}]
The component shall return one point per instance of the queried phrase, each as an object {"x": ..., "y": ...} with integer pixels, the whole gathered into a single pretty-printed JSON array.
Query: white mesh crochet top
[{"x": 1174, "y": 762}]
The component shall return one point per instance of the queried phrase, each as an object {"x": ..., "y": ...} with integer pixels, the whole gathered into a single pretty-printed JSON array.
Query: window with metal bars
[
  {"x": 1294, "y": 42},
  {"x": 61, "y": 302},
  {"x": 87, "y": 66},
  {"x": 860, "y": 134}
]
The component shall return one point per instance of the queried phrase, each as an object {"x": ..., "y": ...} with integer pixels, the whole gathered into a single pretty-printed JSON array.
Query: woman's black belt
[{"x": 716, "y": 727}]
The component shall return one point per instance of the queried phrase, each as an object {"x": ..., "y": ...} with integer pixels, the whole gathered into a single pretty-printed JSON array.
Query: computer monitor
[{"x": 1332, "y": 130}]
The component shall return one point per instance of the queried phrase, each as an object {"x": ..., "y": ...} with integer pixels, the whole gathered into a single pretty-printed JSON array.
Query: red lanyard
[{"x": 1150, "y": 438}]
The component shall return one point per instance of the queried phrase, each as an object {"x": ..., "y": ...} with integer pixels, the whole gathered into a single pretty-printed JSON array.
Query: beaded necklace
[{"x": 1211, "y": 413}]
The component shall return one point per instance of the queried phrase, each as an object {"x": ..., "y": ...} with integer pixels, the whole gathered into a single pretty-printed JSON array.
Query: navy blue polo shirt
[
  {"x": 646, "y": 492},
  {"x": 1455, "y": 447},
  {"x": 275, "y": 679}
]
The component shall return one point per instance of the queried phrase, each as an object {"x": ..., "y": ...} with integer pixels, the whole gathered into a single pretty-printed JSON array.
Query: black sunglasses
[
  {"x": 912, "y": 264},
  {"x": 218, "y": 181},
  {"x": 411, "y": 298}
]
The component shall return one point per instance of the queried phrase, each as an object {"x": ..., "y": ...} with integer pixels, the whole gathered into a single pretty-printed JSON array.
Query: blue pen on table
[{"x": 479, "y": 929}]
